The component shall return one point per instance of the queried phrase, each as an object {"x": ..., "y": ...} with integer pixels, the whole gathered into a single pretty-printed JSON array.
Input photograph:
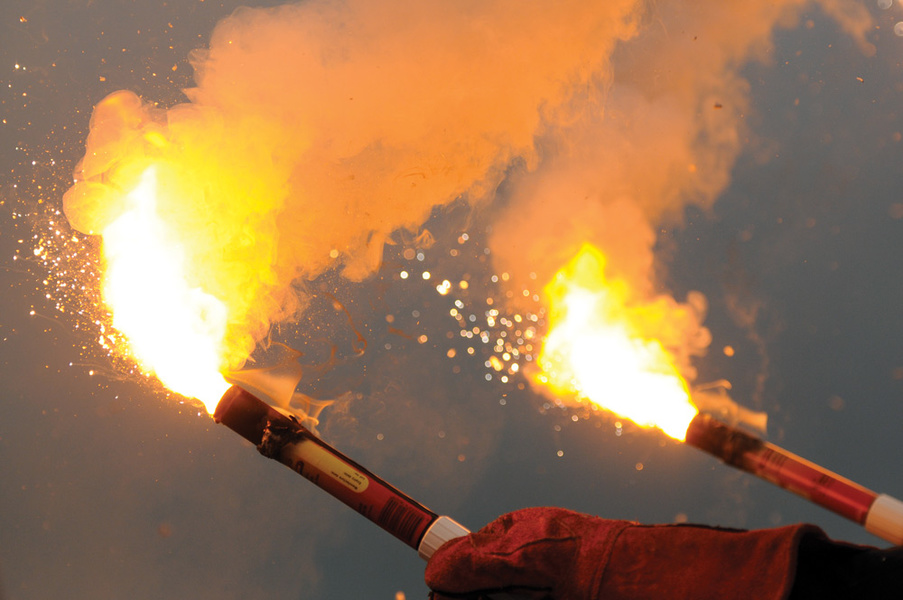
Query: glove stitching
[
  {"x": 606, "y": 559},
  {"x": 527, "y": 545}
]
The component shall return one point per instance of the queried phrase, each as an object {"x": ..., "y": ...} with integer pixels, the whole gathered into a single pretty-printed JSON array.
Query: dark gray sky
[{"x": 111, "y": 489}]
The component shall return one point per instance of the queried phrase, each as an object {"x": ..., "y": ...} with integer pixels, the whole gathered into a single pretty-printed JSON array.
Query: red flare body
[
  {"x": 284, "y": 439},
  {"x": 789, "y": 471}
]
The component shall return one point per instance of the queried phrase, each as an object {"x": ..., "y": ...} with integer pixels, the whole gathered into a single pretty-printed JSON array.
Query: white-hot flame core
[
  {"x": 174, "y": 330},
  {"x": 590, "y": 351}
]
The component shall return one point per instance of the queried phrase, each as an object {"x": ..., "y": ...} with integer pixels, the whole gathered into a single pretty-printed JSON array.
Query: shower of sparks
[
  {"x": 61, "y": 264},
  {"x": 501, "y": 341},
  {"x": 505, "y": 343},
  {"x": 57, "y": 270},
  {"x": 511, "y": 340}
]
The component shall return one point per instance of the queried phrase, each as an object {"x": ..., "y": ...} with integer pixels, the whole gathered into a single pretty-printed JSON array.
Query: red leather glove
[{"x": 559, "y": 554}]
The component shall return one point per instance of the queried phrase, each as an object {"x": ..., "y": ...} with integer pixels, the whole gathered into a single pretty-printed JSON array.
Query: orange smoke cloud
[
  {"x": 316, "y": 130},
  {"x": 670, "y": 131}
]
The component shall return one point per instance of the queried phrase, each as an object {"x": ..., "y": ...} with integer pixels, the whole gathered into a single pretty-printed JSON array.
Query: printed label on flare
[{"x": 309, "y": 455}]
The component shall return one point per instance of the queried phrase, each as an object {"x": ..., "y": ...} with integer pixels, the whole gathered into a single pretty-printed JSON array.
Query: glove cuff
[{"x": 688, "y": 562}]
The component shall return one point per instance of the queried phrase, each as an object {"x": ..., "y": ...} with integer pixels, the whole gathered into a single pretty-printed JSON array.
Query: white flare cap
[
  {"x": 885, "y": 519},
  {"x": 442, "y": 530}
]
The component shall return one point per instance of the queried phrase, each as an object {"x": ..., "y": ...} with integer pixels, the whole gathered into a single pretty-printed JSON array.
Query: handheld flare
[
  {"x": 284, "y": 439},
  {"x": 881, "y": 514}
]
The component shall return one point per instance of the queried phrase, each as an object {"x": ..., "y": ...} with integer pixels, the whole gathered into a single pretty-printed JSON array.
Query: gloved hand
[{"x": 552, "y": 553}]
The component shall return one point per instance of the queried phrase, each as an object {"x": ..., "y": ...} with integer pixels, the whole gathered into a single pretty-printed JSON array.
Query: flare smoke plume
[{"x": 316, "y": 130}]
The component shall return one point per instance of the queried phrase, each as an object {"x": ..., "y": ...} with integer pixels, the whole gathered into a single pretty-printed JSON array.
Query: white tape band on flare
[
  {"x": 442, "y": 530},
  {"x": 885, "y": 519}
]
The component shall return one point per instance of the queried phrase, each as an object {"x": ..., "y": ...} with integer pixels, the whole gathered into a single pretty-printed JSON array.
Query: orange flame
[
  {"x": 174, "y": 330},
  {"x": 594, "y": 350}
]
